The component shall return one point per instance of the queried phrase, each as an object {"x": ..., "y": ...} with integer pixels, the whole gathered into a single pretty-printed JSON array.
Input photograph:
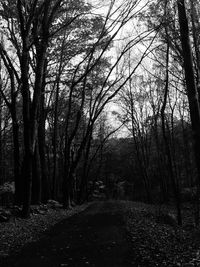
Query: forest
[
  {"x": 100, "y": 99},
  {"x": 99, "y": 133}
]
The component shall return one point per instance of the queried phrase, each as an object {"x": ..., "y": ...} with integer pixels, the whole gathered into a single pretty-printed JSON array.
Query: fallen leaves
[
  {"x": 17, "y": 232},
  {"x": 154, "y": 242},
  {"x": 159, "y": 244}
]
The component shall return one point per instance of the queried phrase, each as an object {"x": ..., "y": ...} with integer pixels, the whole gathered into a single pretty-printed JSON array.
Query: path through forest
[{"x": 95, "y": 237}]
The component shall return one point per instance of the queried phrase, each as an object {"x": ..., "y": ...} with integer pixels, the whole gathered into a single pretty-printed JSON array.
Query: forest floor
[
  {"x": 18, "y": 232},
  {"x": 109, "y": 234}
]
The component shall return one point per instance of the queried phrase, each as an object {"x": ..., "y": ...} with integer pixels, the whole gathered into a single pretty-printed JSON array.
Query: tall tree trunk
[
  {"x": 55, "y": 130},
  {"x": 28, "y": 146},
  {"x": 17, "y": 163},
  {"x": 55, "y": 133},
  {"x": 31, "y": 112},
  {"x": 1, "y": 180},
  {"x": 15, "y": 127},
  {"x": 36, "y": 184},
  {"x": 16, "y": 150},
  {"x": 42, "y": 144},
  {"x": 66, "y": 174},
  {"x": 195, "y": 27},
  {"x": 191, "y": 91},
  {"x": 43, "y": 163},
  {"x": 162, "y": 177},
  {"x": 167, "y": 145}
]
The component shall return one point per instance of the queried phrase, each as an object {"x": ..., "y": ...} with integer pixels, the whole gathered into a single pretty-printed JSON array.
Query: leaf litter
[
  {"x": 156, "y": 243},
  {"x": 18, "y": 232}
]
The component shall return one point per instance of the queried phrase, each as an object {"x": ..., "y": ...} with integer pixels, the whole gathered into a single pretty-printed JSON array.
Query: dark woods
[
  {"x": 62, "y": 65},
  {"x": 54, "y": 86}
]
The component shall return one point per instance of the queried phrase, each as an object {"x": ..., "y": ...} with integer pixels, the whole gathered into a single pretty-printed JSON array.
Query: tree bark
[
  {"x": 36, "y": 184},
  {"x": 195, "y": 26},
  {"x": 1, "y": 180},
  {"x": 28, "y": 146},
  {"x": 167, "y": 145},
  {"x": 17, "y": 163},
  {"x": 191, "y": 89},
  {"x": 55, "y": 134},
  {"x": 42, "y": 143},
  {"x": 42, "y": 153}
]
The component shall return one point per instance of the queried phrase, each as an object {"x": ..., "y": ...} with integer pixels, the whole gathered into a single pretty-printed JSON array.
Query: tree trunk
[
  {"x": 1, "y": 174},
  {"x": 15, "y": 129},
  {"x": 42, "y": 144},
  {"x": 17, "y": 163},
  {"x": 36, "y": 184},
  {"x": 191, "y": 89},
  {"x": 55, "y": 131},
  {"x": 167, "y": 145},
  {"x": 42, "y": 153},
  {"x": 195, "y": 26},
  {"x": 28, "y": 146}
]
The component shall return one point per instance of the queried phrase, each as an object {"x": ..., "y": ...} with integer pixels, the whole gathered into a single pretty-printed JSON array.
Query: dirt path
[{"x": 95, "y": 237}]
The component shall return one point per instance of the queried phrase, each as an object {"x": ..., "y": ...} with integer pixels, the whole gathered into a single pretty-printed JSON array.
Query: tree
[
  {"x": 45, "y": 61},
  {"x": 191, "y": 87},
  {"x": 12, "y": 106}
]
